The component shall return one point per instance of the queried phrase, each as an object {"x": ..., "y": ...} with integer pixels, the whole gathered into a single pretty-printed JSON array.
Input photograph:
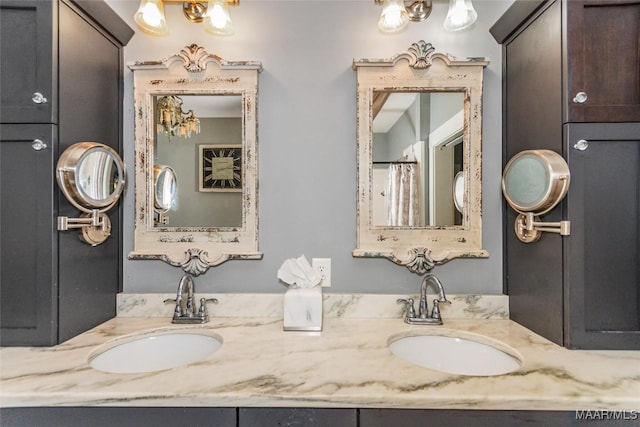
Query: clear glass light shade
[
  {"x": 150, "y": 18},
  {"x": 218, "y": 20},
  {"x": 394, "y": 16},
  {"x": 461, "y": 15}
]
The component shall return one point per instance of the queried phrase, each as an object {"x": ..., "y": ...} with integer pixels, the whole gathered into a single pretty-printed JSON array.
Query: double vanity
[
  {"x": 361, "y": 359},
  {"x": 374, "y": 351}
]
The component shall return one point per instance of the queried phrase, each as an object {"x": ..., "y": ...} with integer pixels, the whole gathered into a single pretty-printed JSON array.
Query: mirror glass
[
  {"x": 207, "y": 165},
  {"x": 527, "y": 181},
  {"x": 417, "y": 153},
  {"x": 535, "y": 181},
  {"x": 165, "y": 188},
  {"x": 99, "y": 176}
]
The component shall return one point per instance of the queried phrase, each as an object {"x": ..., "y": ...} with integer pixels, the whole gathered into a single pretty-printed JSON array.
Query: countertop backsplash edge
[{"x": 383, "y": 306}]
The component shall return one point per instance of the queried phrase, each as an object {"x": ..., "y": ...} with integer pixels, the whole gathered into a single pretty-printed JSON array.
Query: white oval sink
[
  {"x": 455, "y": 355},
  {"x": 155, "y": 351}
]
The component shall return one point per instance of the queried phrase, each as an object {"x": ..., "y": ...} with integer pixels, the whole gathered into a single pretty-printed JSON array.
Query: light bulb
[
  {"x": 461, "y": 15},
  {"x": 150, "y": 18},
  {"x": 394, "y": 17},
  {"x": 218, "y": 20}
]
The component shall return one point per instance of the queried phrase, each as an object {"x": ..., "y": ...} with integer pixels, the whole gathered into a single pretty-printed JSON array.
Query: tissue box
[{"x": 303, "y": 309}]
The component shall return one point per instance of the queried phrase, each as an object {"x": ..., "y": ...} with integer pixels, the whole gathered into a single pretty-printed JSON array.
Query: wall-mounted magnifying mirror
[
  {"x": 458, "y": 191},
  {"x": 420, "y": 157},
  {"x": 533, "y": 183},
  {"x": 91, "y": 177},
  {"x": 164, "y": 192},
  {"x": 196, "y": 160}
]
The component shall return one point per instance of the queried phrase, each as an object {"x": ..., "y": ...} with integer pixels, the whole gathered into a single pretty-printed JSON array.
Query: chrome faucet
[
  {"x": 423, "y": 317},
  {"x": 185, "y": 310}
]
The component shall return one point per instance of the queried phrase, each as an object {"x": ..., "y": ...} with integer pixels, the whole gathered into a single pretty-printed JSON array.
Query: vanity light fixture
[
  {"x": 173, "y": 121},
  {"x": 396, "y": 14},
  {"x": 214, "y": 14},
  {"x": 461, "y": 15}
]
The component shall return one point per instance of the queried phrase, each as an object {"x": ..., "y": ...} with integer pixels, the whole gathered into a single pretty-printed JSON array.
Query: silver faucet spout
[
  {"x": 185, "y": 310},
  {"x": 185, "y": 295},
  {"x": 423, "y": 317},
  {"x": 423, "y": 311}
]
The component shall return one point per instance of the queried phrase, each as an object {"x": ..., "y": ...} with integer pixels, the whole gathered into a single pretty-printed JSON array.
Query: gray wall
[{"x": 307, "y": 139}]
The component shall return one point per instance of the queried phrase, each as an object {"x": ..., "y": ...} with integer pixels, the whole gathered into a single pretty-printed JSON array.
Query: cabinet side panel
[
  {"x": 89, "y": 111},
  {"x": 533, "y": 117}
]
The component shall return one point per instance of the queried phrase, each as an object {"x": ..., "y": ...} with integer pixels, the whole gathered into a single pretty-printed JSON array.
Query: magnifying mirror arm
[
  {"x": 529, "y": 230},
  {"x": 96, "y": 220}
]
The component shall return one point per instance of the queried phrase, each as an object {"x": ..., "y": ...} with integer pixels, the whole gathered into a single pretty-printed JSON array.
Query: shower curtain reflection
[{"x": 403, "y": 190}]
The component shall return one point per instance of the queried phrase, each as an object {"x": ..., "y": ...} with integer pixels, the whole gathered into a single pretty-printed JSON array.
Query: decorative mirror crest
[
  {"x": 210, "y": 214},
  {"x": 420, "y": 157}
]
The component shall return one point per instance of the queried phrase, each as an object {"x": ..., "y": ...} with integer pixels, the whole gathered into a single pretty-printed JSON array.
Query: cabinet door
[
  {"x": 28, "y": 236},
  {"x": 604, "y": 60},
  {"x": 118, "y": 416},
  {"x": 462, "y": 417},
  {"x": 303, "y": 417},
  {"x": 602, "y": 264},
  {"x": 27, "y": 48}
]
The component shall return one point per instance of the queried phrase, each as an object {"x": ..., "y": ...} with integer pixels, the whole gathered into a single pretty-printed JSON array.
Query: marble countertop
[{"x": 348, "y": 364}]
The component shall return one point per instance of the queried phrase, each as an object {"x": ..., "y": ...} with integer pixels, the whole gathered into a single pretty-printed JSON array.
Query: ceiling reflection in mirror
[
  {"x": 206, "y": 160},
  {"x": 417, "y": 153}
]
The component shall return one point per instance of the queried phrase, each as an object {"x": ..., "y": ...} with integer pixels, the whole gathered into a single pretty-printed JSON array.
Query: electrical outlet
[{"x": 323, "y": 266}]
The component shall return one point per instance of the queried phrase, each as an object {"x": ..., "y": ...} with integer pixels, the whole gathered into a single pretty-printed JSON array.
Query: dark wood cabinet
[
  {"x": 28, "y": 242},
  {"x": 291, "y": 417},
  {"x": 580, "y": 291},
  {"x": 53, "y": 286},
  {"x": 29, "y": 61},
  {"x": 602, "y": 272},
  {"x": 118, "y": 416},
  {"x": 303, "y": 417},
  {"x": 603, "y": 60}
]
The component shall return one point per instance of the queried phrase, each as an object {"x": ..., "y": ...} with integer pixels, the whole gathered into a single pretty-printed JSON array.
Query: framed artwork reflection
[{"x": 220, "y": 168}]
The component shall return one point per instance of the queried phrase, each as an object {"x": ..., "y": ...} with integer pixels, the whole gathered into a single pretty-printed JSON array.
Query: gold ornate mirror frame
[
  {"x": 193, "y": 71},
  {"x": 420, "y": 69}
]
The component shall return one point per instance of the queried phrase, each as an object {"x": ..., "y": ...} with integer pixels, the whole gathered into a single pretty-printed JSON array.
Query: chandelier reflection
[{"x": 173, "y": 121}]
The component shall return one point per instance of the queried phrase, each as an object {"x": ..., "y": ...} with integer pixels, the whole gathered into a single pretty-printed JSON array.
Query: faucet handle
[
  {"x": 178, "y": 309},
  {"x": 411, "y": 311},
  {"x": 435, "y": 313},
  {"x": 203, "y": 313}
]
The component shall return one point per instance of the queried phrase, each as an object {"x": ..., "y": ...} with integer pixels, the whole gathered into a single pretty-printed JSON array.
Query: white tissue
[{"x": 298, "y": 272}]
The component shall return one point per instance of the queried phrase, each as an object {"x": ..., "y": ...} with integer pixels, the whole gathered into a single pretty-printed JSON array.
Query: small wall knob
[
  {"x": 38, "y": 145},
  {"x": 580, "y": 98},
  {"x": 38, "y": 98},
  {"x": 581, "y": 145}
]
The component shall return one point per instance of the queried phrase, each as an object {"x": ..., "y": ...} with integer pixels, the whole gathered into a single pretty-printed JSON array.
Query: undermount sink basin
[
  {"x": 155, "y": 351},
  {"x": 463, "y": 355}
]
